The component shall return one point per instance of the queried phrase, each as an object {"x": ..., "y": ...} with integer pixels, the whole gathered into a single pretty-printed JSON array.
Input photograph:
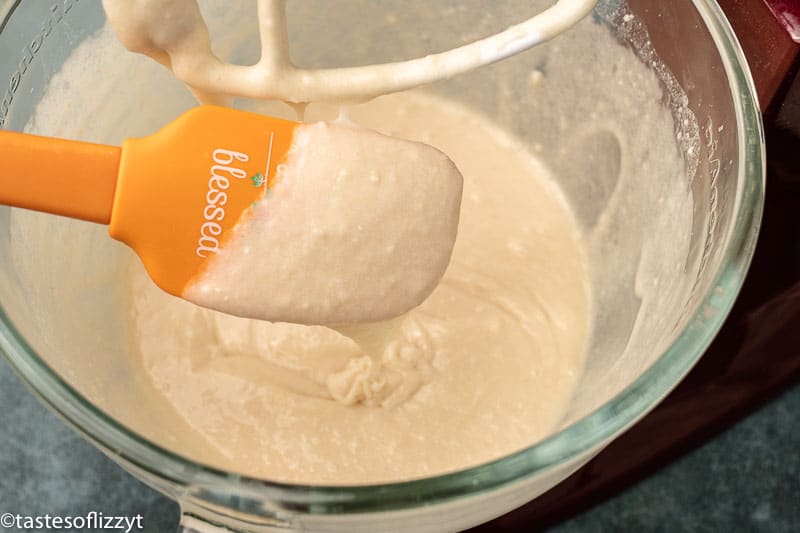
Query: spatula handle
[{"x": 69, "y": 178}]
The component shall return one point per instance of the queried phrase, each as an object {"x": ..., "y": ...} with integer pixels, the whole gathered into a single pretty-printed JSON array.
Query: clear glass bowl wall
[{"x": 693, "y": 52}]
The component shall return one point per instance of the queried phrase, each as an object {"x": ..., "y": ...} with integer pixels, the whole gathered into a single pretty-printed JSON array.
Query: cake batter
[
  {"x": 485, "y": 366},
  {"x": 358, "y": 227}
]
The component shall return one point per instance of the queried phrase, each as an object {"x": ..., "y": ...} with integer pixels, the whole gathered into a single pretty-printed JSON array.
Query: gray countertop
[{"x": 747, "y": 479}]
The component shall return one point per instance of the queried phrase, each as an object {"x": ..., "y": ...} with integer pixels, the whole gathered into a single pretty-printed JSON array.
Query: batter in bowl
[{"x": 485, "y": 366}]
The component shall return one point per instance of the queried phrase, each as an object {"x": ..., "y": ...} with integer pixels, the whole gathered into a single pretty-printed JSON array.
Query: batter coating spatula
[
  {"x": 376, "y": 222},
  {"x": 173, "y": 196}
]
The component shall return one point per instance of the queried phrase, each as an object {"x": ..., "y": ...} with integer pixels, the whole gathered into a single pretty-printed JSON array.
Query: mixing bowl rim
[{"x": 579, "y": 439}]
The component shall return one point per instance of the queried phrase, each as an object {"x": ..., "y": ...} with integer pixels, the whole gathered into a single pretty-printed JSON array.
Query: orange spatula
[{"x": 172, "y": 197}]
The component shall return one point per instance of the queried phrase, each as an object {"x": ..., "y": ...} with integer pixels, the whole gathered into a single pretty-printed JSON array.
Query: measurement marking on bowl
[{"x": 57, "y": 12}]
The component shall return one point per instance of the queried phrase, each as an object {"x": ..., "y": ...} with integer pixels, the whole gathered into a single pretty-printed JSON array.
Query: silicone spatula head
[{"x": 257, "y": 216}]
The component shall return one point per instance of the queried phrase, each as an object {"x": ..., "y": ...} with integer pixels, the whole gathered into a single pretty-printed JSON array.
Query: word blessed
[
  {"x": 92, "y": 521},
  {"x": 216, "y": 198}
]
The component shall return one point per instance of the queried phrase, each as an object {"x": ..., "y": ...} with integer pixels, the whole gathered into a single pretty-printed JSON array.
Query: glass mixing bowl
[{"x": 636, "y": 354}]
